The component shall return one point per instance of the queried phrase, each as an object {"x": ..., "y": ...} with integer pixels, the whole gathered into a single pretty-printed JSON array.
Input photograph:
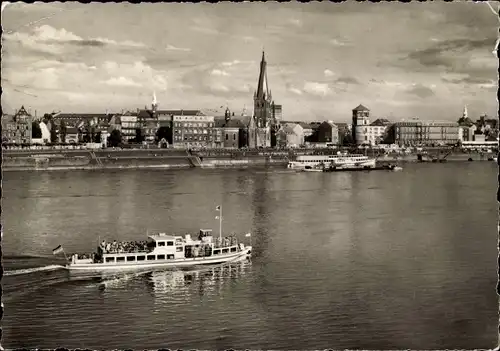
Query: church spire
[
  {"x": 261, "y": 91},
  {"x": 154, "y": 104},
  {"x": 465, "y": 114}
]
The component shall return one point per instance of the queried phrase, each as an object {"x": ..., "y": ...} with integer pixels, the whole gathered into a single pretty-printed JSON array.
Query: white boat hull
[{"x": 179, "y": 262}]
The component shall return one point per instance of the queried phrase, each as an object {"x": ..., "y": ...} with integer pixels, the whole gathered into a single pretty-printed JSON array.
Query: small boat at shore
[{"x": 160, "y": 250}]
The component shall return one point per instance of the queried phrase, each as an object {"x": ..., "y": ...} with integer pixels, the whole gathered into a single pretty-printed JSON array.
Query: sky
[{"x": 424, "y": 60}]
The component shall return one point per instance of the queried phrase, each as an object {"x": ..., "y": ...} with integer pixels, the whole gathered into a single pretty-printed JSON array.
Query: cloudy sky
[{"x": 400, "y": 60}]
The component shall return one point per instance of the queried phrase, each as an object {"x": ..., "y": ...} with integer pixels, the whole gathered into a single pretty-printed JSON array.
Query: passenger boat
[
  {"x": 332, "y": 161},
  {"x": 161, "y": 250}
]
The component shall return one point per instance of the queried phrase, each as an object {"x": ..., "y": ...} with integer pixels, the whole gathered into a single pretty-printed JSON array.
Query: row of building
[{"x": 195, "y": 129}]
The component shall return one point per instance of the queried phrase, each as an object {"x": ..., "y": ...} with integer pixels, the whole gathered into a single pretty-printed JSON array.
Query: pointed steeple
[
  {"x": 154, "y": 104},
  {"x": 262, "y": 78},
  {"x": 465, "y": 114}
]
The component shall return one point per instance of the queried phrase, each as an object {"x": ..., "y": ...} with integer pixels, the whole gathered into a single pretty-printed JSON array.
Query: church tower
[{"x": 262, "y": 119}]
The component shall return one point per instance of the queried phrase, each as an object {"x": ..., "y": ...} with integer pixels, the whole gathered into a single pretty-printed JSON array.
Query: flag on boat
[
  {"x": 248, "y": 234},
  {"x": 217, "y": 208},
  {"x": 57, "y": 250}
]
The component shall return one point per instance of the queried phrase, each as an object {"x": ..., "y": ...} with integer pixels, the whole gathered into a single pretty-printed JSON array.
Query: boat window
[
  {"x": 179, "y": 249},
  {"x": 170, "y": 243},
  {"x": 141, "y": 258},
  {"x": 216, "y": 252},
  {"x": 161, "y": 243},
  {"x": 233, "y": 249},
  {"x": 120, "y": 259},
  {"x": 160, "y": 257},
  {"x": 110, "y": 259},
  {"x": 225, "y": 250},
  {"x": 170, "y": 257},
  {"x": 151, "y": 257},
  {"x": 130, "y": 258}
]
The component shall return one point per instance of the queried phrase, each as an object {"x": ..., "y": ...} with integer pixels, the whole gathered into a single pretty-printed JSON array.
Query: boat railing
[{"x": 225, "y": 241}]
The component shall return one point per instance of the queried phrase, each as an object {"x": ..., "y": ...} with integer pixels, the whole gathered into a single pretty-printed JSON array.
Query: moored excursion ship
[
  {"x": 339, "y": 161},
  {"x": 160, "y": 250}
]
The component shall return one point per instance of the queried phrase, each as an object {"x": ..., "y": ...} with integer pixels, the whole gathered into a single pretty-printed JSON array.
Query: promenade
[{"x": 66, "y": 159}]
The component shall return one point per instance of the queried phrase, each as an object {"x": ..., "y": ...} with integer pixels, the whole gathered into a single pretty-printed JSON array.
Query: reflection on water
[{"x": 173, "y": 285}]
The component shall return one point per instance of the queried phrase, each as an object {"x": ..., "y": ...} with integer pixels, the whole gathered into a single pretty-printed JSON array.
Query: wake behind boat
[{"x": 161, "y": 250}]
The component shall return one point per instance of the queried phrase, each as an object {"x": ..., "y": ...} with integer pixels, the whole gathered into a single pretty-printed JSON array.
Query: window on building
[{"x": 234, "y": 136}]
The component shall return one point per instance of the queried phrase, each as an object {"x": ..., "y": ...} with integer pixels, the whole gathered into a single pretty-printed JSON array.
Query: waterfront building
[
  {"x": 290, "y": 135},
  {"x": 360, "y": 120},
  {"x": 417, "y": 132},
  {"x": 129, "y": 127},
  {"x": 328, "y": 132},
  {"x": 80, "y": 119},
  {"x": 189, "y": 128},
  {"x": 263, "y": 125},
  {"x": 17, "y": 128},
  {"x": 228, "y": 132}
]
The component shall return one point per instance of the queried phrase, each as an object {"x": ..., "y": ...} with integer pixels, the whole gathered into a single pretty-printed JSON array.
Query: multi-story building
[
  {"x": 417, "y": 132},
  {"x": 190, "y": 128},
  {"x": 80, "y": 119},
  {"x": 360, "y": 120},
  {"x": 17, "y": 129},
  {"x": 129, "y": 126}
]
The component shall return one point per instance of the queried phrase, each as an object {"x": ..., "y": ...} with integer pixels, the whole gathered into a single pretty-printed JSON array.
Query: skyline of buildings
[{"x": 320, "y": 63}]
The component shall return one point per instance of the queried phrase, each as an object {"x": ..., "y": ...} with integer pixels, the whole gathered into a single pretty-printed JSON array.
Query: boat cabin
[{"x": 161, "y": 247}]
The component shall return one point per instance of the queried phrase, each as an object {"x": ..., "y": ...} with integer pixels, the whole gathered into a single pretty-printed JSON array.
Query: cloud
[
  {"x": 421, "y": 91},
  {"x": 293, "y": 89},
  {"x": 328, "y": 73},
  {"x": 218, "y": 72},
  {"x": 347, "y": 80},
  {"x": 230, "y": 63},
  {"x": 446, "y": 53},
  {"x": 338, "y": 42},
  {"x": 319, "y": 89},
  {"x": 122, "y": 82},
  {"x": 52, "y": 40},
  {"x": 174, "y": 48}
]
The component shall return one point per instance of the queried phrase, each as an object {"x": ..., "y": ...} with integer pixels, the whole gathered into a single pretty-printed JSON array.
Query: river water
[{"x": 375, "y": 260}]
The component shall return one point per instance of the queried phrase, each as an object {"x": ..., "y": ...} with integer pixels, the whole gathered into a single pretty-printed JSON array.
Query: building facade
[
  {"x": 191, "y": 128},
  {"x": 228, "y": 132},
  {"x": 360, "y": 120},
  {"x": 328, "y": 132},
  {"x": 290, "y": 135},
  {"x": 129, "y": 126},
  {"x": 421, "y": 133},
  {"x": 17, "y": 129}
]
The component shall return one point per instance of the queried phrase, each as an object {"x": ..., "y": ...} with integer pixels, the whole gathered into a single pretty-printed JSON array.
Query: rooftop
[{"x": 361, "y": 108}]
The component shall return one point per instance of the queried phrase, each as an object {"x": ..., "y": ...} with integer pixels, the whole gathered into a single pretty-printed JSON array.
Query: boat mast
[{"x": 220, "y": 224}]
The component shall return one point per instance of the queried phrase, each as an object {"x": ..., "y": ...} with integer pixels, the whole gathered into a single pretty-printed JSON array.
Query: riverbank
[{"x": 55, "y": 160}]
